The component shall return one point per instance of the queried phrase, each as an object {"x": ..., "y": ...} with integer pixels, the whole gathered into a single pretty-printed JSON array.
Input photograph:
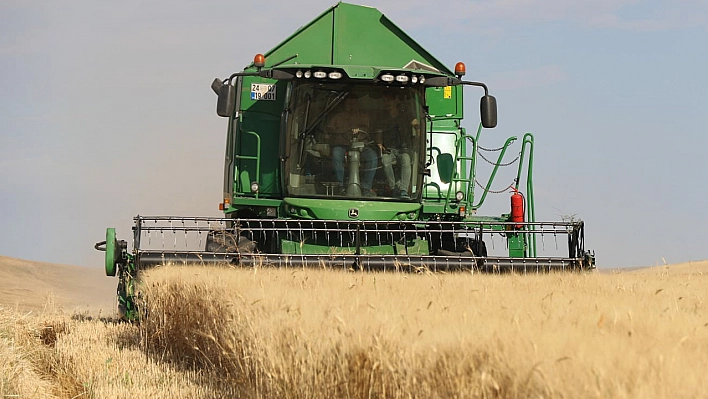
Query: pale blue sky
[{"x": 106, "y": 111}]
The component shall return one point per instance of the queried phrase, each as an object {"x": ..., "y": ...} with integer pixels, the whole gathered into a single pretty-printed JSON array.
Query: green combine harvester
[{"x": 345, "y": 148}]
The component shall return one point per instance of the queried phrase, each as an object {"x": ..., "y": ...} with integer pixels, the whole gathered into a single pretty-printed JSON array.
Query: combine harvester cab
[{"x": 345, "y": 148}]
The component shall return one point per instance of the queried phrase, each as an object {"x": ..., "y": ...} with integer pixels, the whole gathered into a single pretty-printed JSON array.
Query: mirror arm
[
  {"x": 449, "y": 81},
  {"x": 235, "y": 74},
  {"x": 266, "y": 73},
  {"x": 479, "y": 84}
]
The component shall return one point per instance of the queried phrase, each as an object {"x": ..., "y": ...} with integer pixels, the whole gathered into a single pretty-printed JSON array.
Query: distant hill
[
  {"x": 28, "y": 285},
  {"x": 697, "y": 267}
]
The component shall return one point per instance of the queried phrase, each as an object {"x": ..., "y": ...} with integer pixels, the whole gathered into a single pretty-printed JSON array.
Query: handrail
[
  {"x": 455, "y": 176},
  {"x": 530, "y": 215},
  {"x": 256, "y": 157},
  {"x": 494, "y": 171}
]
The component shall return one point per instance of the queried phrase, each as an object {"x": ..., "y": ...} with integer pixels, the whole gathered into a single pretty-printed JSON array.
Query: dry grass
[
  {"x": 314, "y": 333},
  {"x": 266, "y": 333},
  {"x": 28, "y": 360}
]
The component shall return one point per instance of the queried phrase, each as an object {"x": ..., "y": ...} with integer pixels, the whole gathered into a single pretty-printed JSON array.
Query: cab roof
[{"x": 353, "y": 37}]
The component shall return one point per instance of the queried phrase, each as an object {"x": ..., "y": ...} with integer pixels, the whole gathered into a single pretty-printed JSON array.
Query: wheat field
[{"x": 213, "y": 332}]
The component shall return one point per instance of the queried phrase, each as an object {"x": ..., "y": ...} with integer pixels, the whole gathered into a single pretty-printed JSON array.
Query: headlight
[
  {"x": 255, "y": 187},
  {"x": 459, "y": 196},
  {"x": 387, "y": 77},
  {"x": 402, "y": 79}
]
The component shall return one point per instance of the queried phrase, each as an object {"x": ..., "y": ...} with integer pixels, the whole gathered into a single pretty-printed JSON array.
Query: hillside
[
  {"x": 697, "y": 267},
  {"x": 29, "y": 285}
]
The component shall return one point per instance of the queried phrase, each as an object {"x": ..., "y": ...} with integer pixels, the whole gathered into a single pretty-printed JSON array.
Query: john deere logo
[{"x": 353, "y": 213}]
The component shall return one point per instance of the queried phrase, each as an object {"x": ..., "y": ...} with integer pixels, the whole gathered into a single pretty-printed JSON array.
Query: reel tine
[
  {"x": 555, "y": 238},
  {"x": 174, "y": 233}
]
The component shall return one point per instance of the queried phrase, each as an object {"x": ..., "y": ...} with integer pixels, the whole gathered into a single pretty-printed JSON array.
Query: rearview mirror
[
  {"x": 227, "y": 97},
  {"x": 445, "y": 167},
  {"x": 216, "y": 85},
  {"x": 488, "y": 111}
]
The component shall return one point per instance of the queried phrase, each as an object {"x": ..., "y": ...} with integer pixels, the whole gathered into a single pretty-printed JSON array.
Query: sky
[{"x": 106, "y": 111}]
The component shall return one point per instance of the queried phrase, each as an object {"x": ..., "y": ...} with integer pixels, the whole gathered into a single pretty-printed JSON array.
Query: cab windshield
[{"x": 354, "y": 141}]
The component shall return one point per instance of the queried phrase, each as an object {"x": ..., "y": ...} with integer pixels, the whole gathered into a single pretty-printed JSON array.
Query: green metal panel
[
  {"x": 444, "y": 102},
  {"x": 259, "y": 135},
  {"x": 411, "y": 247},
  {"x": 348, "y": 34},
  {"x": 364, "y": 36},
  {"x": 326, "y": 209},
  {"x": 311, "y": 43},
  {"x": 293, "y": 247},
  {"x": 517, "y": 245}
]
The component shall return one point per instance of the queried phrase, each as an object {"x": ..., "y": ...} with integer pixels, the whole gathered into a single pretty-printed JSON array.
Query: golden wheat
[
  {"x": 18, "y": 355},
  {"x": 214, "y": 332},
  {"x": 315, "y": 333}
]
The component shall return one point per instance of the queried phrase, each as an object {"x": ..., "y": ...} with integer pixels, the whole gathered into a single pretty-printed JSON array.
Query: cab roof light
[
  {"x": 320, "y": 74},
  {"x": 402, "y": 78},
  {"x": 259, "y": 61},
  {"x": 460, "y": 69}
]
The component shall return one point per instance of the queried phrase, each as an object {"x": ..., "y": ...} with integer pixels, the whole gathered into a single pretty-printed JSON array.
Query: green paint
[
  {"x": 328, "y": 245},
  {"x": 529, "y": 210},
  {"x": 110, "y": 260},
  {"x": 517, "y": 245},
  {"x": 127, "y": 295},
  {"x": 361, "y": 41},
  {"x": 328, "y": 209}
]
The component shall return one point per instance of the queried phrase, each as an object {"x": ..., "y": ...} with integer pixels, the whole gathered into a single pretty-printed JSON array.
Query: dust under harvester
[{"x": 345, "y": 148}]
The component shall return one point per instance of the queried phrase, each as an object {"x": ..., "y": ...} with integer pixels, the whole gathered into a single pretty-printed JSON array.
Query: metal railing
[{"x": 358, "y": 244}]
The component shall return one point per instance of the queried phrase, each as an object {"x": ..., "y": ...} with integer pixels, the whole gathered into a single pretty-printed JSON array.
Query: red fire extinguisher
[{"x": 517, "y": 208}]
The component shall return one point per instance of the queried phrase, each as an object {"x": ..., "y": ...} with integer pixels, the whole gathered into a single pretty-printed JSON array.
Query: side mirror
[
  {"x": 227, "y": 97},
  {"x": 488, "y": 110},
  {"x": 446, "y": 167},
  {"x": 216, "y": 85}
]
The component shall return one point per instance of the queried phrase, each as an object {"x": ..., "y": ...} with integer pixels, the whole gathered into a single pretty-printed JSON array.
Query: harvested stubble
[
  {"x": 60, "y": 356},
  {"x": 294, "y": 333},
  {"x": 18, "y": 355}
]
